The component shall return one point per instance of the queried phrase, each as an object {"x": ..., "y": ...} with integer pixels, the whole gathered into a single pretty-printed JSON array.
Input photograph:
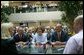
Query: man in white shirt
[{"x": 75, "y": 43}]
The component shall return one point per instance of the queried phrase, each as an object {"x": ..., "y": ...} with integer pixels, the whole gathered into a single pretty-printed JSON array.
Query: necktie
[{"x": 20, "y": 37}]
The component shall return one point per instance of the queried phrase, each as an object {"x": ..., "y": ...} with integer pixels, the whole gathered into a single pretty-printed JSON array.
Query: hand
[
  {"x": 53, "y": 43},
  {"x": 47, "y": 45},
  {"x": 38, "y": 45},
  {"x": 60, "y": 43},
  {"x": 56, "y": 43}
]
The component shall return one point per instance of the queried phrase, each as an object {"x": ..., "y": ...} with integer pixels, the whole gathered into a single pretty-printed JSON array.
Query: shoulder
[
  {"x": 45, "y": 34},
  {"x": 78, "y": 36},
  {"x": 75, "y": 38},
  {"x": 15, "y": 35},
  {"x": 54, "y": 33},
  {"x": 25, "y": 34},
  {"x": 64, "y": 32},
  {"x": 4, "y": 41},
  {"x": 35, "y": 36}
]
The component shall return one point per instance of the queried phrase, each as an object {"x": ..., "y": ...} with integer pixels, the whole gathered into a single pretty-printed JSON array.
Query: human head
[
  {"x": 58, "y": 27},
  {"x": 78, "y": 23},
  {"x": 5, "y": 32},
  {"x": 20, "y": 30},
  {"x": 34, "y": 30},
  {"x": 39, "y": 30},
  {"x": 25, "y": 29},
  {"x": 48, "y": 28},
  {"x": 30, "y": 31}
]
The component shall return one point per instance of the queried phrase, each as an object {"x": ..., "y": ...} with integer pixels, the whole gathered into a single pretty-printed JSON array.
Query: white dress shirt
[
  {"x": 75, "y": 44},
  {"x": 39, "y": 39}
]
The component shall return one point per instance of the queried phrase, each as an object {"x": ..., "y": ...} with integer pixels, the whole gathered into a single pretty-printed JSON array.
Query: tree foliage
[
  {"x": 5, "y": 12},
  {"x": 71, "y": 9}
]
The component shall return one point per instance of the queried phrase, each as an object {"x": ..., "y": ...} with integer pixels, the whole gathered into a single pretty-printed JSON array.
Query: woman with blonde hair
[
  {"x": 5, "y": 28},
  {"x": 7, "y": 43}
]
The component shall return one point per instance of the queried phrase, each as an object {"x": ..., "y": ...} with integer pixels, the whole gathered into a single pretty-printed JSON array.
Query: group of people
[{"x": 39, "y": 36}]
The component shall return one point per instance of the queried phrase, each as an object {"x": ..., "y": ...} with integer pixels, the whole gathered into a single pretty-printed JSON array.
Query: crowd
[{"x": 37, "y": 36}]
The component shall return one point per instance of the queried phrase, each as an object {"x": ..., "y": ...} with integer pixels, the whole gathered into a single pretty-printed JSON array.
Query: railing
[
  {"x": 35, "y": 9},
  {"x": 36, "y": 16},
  {"x": 32, "y": 49}
]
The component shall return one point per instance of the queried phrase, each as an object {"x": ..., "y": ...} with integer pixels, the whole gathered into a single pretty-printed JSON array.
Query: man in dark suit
[
  {"x": 59, "y": 36},
  {"x": 21, "y": 36}
]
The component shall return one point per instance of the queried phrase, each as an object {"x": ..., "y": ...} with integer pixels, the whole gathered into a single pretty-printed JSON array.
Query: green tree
[
  {"x": 71, "y": 9},
  {"x": 5, "y": 12}
]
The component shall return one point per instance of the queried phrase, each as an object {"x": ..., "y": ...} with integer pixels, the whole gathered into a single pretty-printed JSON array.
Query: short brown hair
[{"x": 40, "y": 28}]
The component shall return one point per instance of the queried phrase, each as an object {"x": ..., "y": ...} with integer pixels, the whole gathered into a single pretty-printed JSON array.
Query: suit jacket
[
  {"x": 17, "y": 38},
  {"x": 64, "y": 37}
]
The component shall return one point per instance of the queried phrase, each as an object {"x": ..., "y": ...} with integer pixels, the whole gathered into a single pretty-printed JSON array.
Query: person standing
[
  {"x": 7, "y": 43},
  {"x": 75, "y": 43}
]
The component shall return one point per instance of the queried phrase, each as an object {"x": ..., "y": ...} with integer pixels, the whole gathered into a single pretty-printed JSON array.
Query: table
[
  {"x": 57, "y": 49},
  {"x": 26, "y": 49}
]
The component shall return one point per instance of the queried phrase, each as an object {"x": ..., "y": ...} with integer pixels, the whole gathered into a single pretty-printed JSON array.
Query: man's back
[{"x": 75, "y": 44}]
